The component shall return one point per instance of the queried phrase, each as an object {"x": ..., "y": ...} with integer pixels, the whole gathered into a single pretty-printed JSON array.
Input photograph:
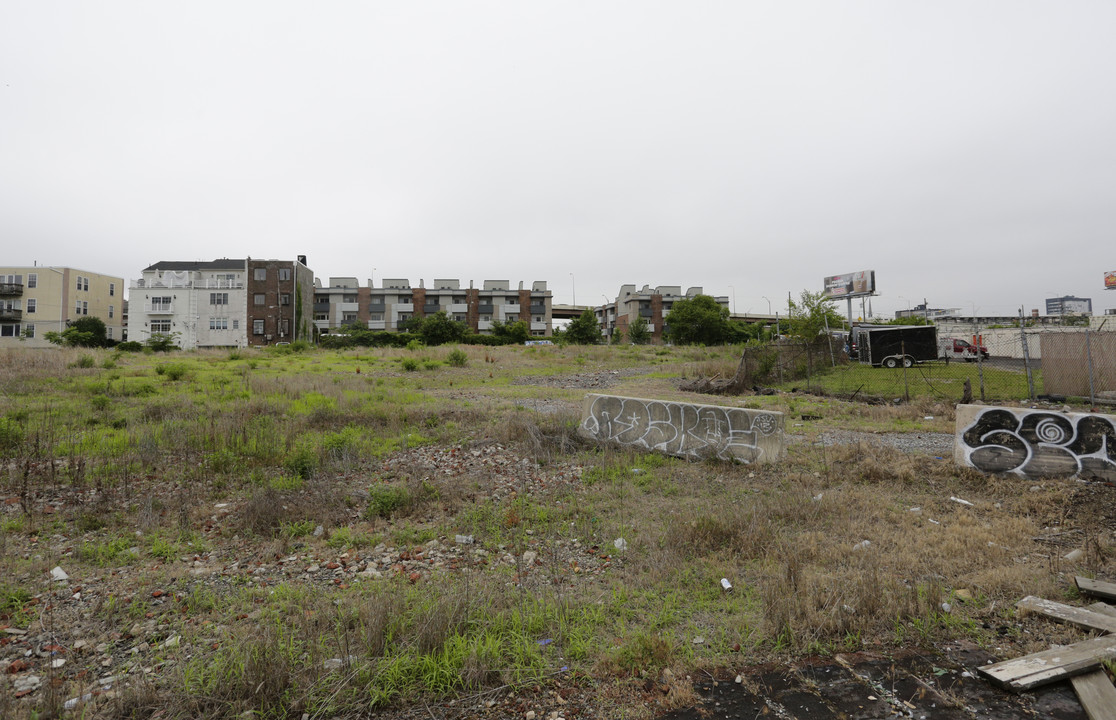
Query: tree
[
  {"x": 162, "y": 342},
  {"x": 83, "y": 332},
  {"x": 699, "y": 320},
  {"x": 439, "y": 329},
  {"x": 513, "y": 333},
  {"x": 584, "y": 330},
  {"x": 638, "y": 334},
  {"x": 812, "y": 315}
]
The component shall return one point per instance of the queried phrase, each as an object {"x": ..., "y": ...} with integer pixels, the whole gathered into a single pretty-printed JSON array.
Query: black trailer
[{"x": 895, "y": 345}]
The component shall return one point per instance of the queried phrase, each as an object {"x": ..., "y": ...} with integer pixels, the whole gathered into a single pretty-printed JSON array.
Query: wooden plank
[
  {"x": 1031, "y": 671},
  {"x": 1097, "y": 695},
  {"x": 1096, "y": 588},
  {"x": 1079, "y": 617},
  {"x": 1103, "y": 608}
]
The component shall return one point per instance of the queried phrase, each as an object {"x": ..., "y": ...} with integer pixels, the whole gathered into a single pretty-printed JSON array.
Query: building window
[
  {"x": 84, "y": 307},
  {"x": 111, "y": 311},
  {"x": 29, "y": 330},
  {"x": 216, "y": 323},
  {"x": 108, "y": 333},
  {"x": 257, "y": 327},
  {"x": 79, "y": 282},
  {"x": 284, "y": 327},
  {"x": 31, "y": 302},
  {"x": 161, "y": 304},
  {"x": 349, "y": 298},
  {"x": 218, "y": 298},
  {"x": 9, "y": 330},
  {"x": 259, "y": 274},
  {"x": 459, "y": 317},
  {"x": 349, "y": 317},
  {"x": 377, "y": 317},
  {"x": 284, "y": 273},
  {"x": 85, "y": 284},
  {"x": 404, "y": 317},
  {"x": 32, "y": 281},
  {"x": 112, "y": 289},
  {"x": 236, "y": 324},
  {"x": 258, "y": 299},
  {"x": 321, "y": 316},
  {"x": 486, "y": 318},
  {"x": 285, "y": 299},
  {"x": 160, "y": 326}
]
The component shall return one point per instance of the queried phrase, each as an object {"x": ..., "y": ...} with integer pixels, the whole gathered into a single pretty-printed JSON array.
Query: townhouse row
[{"x": 240, "y": 302}]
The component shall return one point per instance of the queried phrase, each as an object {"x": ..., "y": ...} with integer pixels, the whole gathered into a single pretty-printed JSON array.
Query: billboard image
[
  {"x": 851, "y": 284},
  {"x": 1110, "y": 280}
]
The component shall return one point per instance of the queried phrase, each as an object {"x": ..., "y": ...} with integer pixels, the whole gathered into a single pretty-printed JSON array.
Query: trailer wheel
[
  {"x": 907, "y": 361},
  {"x": 891, "y": 362}
]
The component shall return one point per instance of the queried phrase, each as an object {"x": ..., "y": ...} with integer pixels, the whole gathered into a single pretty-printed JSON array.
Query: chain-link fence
[{"x": 969, "y": 363}]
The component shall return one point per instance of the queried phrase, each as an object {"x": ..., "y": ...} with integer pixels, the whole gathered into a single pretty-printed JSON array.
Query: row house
[
  {"x": 223, "y": 303},
  {"x": 394, "y": 304},
  {"x": 36, "y": 300},
  {"x": 652, "y": 304}
]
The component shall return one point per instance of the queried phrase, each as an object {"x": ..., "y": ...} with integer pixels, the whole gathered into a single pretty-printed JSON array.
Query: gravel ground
[{"x": 937, "y": 444}]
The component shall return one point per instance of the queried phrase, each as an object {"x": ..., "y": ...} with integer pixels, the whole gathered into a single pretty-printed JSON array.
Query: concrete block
[
  {"x": 1036, "y": 443},
  {"x": 685, "y": 429}
]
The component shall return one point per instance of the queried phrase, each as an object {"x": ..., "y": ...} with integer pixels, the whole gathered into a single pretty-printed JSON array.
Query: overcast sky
[{"x": 965, "y": 151}]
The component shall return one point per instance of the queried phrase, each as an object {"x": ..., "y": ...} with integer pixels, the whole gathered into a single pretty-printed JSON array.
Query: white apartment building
[{"x": 204, "y": 302}]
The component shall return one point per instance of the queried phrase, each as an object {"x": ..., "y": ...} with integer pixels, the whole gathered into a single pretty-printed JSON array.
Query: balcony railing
[
  {"x": 207, "y": 284},
  {"x": 11, "y": 289},
  {"x": 158, "y": 308},
  {"x": 11, "y": 314}
]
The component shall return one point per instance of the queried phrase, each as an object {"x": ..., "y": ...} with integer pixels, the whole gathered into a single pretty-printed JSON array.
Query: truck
[
  {"x": 958, "y": 349},
  {"x": 895, "y": 345}
]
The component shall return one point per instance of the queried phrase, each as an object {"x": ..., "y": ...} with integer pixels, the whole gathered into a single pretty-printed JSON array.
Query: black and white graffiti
[
  {"x": 694, "y": 431},
  {"x": 1039, "y": 444}
]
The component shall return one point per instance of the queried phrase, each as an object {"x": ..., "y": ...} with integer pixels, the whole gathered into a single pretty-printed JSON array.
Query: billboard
[
  {"x": 1110, "y": 280},
  {"x": 851, "y": 284}
]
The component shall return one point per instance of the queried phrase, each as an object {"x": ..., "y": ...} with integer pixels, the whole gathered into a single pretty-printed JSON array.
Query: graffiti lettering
[
  {"x": 1037, "y": 444},
  {"x": 685, "y": 430}
]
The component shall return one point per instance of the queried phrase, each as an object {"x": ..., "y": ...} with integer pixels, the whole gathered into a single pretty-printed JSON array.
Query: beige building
[{"x": 37, "y": 300}]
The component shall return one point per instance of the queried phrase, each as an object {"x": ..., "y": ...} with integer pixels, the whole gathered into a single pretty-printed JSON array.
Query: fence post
[
  {"x": 979, "y": 340},
  {"x": 1026, "y": 357},
  {"x": 906, "y": 387},
  {"x": 1089, "y": 354}
]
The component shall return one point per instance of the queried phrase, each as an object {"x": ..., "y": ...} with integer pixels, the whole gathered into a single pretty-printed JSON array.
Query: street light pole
[
  {"x": 573, "y": 288},
  {"x": 733, "y": 299},
  {"x": 764, "y": 297}
]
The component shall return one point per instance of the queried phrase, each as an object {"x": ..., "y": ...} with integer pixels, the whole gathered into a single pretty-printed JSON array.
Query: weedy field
[{"x": 421, "y": 533}]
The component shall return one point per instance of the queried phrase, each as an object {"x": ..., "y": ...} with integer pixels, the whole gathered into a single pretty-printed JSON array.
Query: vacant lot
[{"x": 422, "y": 534}]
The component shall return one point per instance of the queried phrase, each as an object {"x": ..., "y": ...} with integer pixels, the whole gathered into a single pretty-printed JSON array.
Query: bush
[
  {"x": 85, "y": 361},
  {"x": 302, "y": 462},
  {"x": 409, "y": 364},
  {"x": 300, "y": 346},
  {"x": 457, "y": 358},
  {"x": 130, "y": 346},
  {"x": 384, "y": 501},
  {"x": 175, "y": 371}
]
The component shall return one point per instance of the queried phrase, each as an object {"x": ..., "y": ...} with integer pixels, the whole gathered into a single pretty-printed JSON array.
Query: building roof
[{"x": 179, "y": 265}]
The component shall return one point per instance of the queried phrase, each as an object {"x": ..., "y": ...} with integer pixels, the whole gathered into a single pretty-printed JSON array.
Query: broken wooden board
[
  {"x": 1096, "y": 588},
  {"x": 1103, "y": 608},
  {"x": 1032, "y": 671},
  {"x": 1097, "y": 695},
  {"x": 1079, "y": 617}
]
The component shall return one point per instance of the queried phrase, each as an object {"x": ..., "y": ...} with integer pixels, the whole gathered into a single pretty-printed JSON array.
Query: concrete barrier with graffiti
[
  {"x": 1036, "y": 443},
  {"x": 685, "y": 429}
]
